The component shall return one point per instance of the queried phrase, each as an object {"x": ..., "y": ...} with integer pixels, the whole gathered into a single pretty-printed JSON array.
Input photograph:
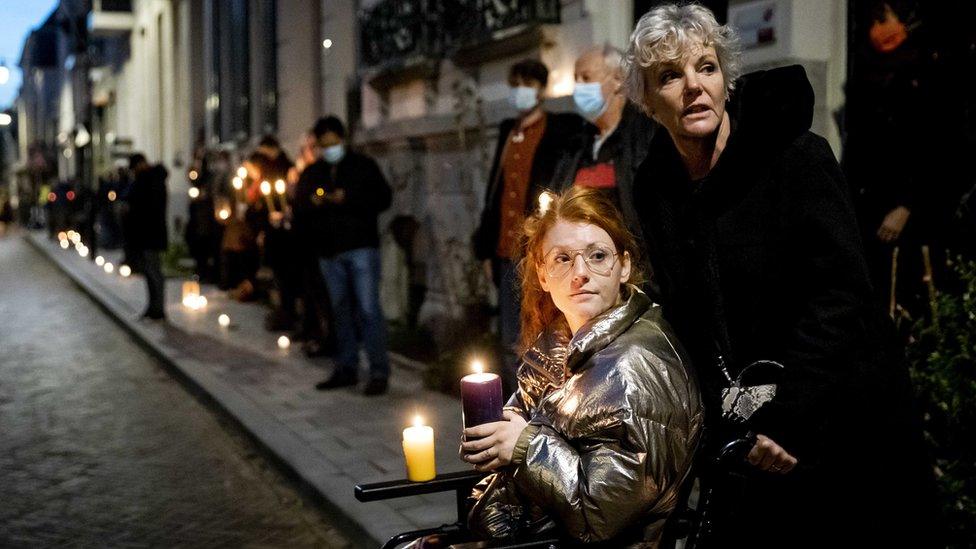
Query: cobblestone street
[{"x": 101, "y": 447}]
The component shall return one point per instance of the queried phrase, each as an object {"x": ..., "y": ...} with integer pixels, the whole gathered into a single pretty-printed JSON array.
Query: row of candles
[
  {"x": 194, "y": 300},
  {"x": 481, "y": 392},
  {"x": 69, "y": 238},
  {"x": 266, "y": 187}
]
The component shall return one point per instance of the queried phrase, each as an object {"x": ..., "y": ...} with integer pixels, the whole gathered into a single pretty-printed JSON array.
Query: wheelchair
[{"x": 689, "y": 526}]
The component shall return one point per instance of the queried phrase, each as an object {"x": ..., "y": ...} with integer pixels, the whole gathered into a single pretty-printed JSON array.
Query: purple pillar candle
[{"x": 481, "y": 397}]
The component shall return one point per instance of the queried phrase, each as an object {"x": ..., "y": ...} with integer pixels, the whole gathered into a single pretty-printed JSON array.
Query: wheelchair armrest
[{"x": 461, "y": 481}]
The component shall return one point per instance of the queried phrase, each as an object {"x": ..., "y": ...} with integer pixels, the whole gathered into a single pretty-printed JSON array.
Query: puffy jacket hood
[{"x": 772, "y": 107}]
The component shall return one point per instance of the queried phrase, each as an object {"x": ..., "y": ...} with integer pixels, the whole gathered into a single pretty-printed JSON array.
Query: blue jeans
[{"x": 353, "y": 282}]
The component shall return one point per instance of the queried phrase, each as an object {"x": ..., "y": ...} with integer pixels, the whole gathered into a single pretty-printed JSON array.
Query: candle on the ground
[
  {"x": 481, "y": 396},
  {"x": 223, "y": 320},
  {"x": 418, "y": 449},
  {"x": 191, "y": 290},
  {"x": 284, "y": 342}
]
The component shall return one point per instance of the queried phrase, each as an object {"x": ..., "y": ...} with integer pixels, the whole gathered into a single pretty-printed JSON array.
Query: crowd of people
[
  {"x": 678, "y": 265},
  {"x": 313, "y": 223}
]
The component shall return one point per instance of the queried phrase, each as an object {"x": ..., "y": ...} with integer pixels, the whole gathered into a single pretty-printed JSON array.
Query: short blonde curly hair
[{"x": 666, "y": 34}]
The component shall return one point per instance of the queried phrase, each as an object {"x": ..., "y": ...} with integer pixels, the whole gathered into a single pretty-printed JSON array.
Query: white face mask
[
  {"x": 523, "y": 98},
  {"x": 589, "y": 99},
  {"x": 334, "y": 154}
]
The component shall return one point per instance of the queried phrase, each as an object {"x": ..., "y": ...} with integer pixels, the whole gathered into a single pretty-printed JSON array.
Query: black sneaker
[
  {"x": 376, "y": 386},
  {"x": 337, "y": 380}
]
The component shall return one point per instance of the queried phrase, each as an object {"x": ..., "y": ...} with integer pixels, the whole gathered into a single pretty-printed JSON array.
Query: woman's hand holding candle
[{"x": 490, "y": 445}]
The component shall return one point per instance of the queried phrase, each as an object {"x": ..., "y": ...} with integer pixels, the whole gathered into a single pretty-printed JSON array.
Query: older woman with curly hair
[
  {"x": 750, "y": 229},
  {"x": 602, "y": 431}
]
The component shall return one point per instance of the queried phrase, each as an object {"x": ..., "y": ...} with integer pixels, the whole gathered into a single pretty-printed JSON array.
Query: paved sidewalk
[{"x": 332, "y": 440}]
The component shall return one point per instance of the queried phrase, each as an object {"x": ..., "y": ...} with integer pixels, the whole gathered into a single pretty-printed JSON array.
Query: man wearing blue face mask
[
  {"x": 342, "y": 193},
  {"x": 529, "y": 146},
  {"x": 608, "y": 153}
]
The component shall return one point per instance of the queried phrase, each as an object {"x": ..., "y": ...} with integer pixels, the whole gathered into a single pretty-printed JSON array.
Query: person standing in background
[
  {"x": 148, "y": 235},
  {"x": 349, "y": 192},
  {"x": 529, "y": 147}
]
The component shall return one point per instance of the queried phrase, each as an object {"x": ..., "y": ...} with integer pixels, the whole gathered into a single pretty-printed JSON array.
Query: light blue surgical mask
[
  {"x": 523, "y": 98},
  {"x": 589, "y": 100},
  {"x": 334, "y": 154}
]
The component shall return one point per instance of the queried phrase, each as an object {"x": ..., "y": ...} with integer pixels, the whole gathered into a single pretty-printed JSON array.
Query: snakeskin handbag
[{"x": 754, "y": 386}]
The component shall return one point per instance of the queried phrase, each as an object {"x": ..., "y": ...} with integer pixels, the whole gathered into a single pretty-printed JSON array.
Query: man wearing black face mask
[{"x": 343, "y": 192}]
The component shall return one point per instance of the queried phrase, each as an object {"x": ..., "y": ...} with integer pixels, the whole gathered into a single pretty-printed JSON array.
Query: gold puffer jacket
[{"x": 614, "y": 417}]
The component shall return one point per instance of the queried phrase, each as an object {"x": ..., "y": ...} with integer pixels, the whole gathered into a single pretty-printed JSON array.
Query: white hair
[{"x": 666, "y": 34}]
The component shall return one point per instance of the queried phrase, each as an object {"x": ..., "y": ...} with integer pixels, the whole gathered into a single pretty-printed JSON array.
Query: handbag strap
[{"x": 706, "y": 228}]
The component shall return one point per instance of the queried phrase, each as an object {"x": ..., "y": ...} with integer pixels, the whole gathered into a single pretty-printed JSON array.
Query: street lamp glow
[
  {"x": 109, "y": 268},
  {"x": 327, "y": 43},
  {"x": 223, "y": 320},
  {"x": 125, "y": 271},
  {"x": 194, "y": 192},
  {"x": 280, "y": 186}
]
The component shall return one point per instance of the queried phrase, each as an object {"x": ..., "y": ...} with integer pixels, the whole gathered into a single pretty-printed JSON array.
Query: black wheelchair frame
[{"x": 693, "y": 524}]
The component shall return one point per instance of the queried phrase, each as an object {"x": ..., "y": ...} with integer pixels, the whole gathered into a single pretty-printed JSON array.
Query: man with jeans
[
  {"x": 147, "y": 234},
  {"x": 347, "y": 191}
]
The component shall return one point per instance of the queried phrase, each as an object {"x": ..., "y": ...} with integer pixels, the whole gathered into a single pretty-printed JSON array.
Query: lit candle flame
[
  {"x": 193, "y": 175},
  {"x": 478, "y": 366},
  {"x": 238, "y": 183},
  {"x": 545, "y": 200},
  {"x": 242, "y": 172},
  {"x": 265, "y": 188},
  {"x": 418, "y": 421},
  {"x": 280, "y": 186},
  {"x": 194, "y": 192},
  {"x": 283, "y": 342},
  {"x": 223, "y": 320},
  {"x": 224, "y": 214},
  {"x": 112, "y": 196},
  {"x": 125, "y": 271}
]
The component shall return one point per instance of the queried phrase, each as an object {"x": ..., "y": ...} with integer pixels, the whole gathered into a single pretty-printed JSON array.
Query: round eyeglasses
[{"x": 599, "y": 259}]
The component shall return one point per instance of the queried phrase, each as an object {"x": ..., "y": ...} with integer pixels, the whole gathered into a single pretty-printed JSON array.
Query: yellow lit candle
[
  {"x": 418, "y": 449},
  {"x": 238, "y": 183},
  {"x": 242, "y": 172},
  {"x": 191, "y": 291}
]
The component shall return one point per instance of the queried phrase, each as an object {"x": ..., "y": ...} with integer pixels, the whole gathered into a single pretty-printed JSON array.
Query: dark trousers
[
  {"x": 155, "y": 283},
  {"x": 509, "y": 321}
]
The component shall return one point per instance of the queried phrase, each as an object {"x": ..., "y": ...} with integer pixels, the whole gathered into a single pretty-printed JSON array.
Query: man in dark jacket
[
  {"x": 528, "y": 150},
  {"x": 348, "y": 191},
  {"x": 147, "y": 233},
  {"x": 607, "y": 154}
]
